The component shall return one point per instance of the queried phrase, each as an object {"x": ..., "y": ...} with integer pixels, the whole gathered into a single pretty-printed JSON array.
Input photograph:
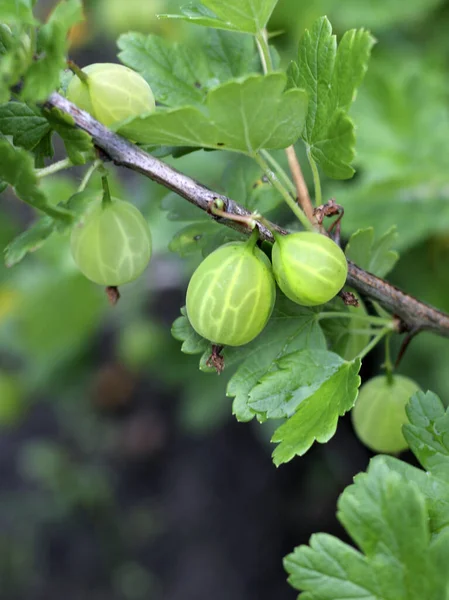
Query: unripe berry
[
  {"x": 112, "y": 244},
  {"x": 379, "y": 412},
  {"x": 231, "y": 294},
  {"x": 111, "y": 93},
  {"x": 309, "y": 267}
]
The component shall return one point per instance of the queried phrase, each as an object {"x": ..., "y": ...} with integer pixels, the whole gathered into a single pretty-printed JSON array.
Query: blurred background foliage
[{"x": 123, "y": 475}]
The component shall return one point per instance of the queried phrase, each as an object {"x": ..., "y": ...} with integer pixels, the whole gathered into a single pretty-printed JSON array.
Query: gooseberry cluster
[{"x": 232, "y": 293}]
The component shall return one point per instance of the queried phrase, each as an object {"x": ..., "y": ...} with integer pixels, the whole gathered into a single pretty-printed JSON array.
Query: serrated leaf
[
  {"x": 388, "y": 518},
  {"x": 44, "y": 149},
  {"x": 192, "y": 343},
  {"x": 295, "y": 378},
  {"x": 182, "y": 74},
  {"x": 245, "y": 182},
  {"x": 78, "y": 143},
  {"x": 435, "y": 490},
  {"x": 317, "y": 416},
  {"x": 42, "y": 77},
  {"x": 17, "y": 169},
  {"x": 243, "y": 116},
  {"x": 29, "y": 241},
  {"x": 428, "y": 433},
  {"x": 377, "y": 257},
  {"x": 331, "y": 77},
  {"x": 25, "y": 124},
  {"x": 250, "y": 16},
  {"x": 291, "y": 328},
  {"x": 17, "y": 11}
]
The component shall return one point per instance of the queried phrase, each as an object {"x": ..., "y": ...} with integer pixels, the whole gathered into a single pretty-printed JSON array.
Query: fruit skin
[
  {"x": 379, "y": 413},
  {"x": 112, "y": 246},
  {"x": 309, "y": 267},
  {"x": 231, "y": 294},
  {"x": 112, "y": 93}
]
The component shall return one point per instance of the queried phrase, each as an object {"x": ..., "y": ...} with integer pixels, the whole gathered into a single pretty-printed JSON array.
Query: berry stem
[
  {"x": 78, "y": 72},
  {"x": 264, "y": 51},
  {"x": 284, "y": 193},
  {"x": 383, "y": 332},
  {"x": 66, "y": 163},
  {"x": 253, "y": 239},
  {"x": 316, "y": 179},
  {"x": 302, "y": 192},
  {"x": 90, "y": 171},
  {"x": 279, "y": 170},
  {"x": 347, "y": 315},
  {"x": 250, "y": 221},
  {"x": 388, "y": 364},
  {"x": 106, "y": 200}
]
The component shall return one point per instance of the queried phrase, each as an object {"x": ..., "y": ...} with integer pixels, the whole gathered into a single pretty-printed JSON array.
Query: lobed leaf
[
  {"x": 377, "y": 257},
  {"x": 331, "y": 76},
  {"x": 388, "y": 517},
  {"x": 242, "y": 116},
  {"x": 428, "y": 433},
  {"x": 250, "y": 16},
  {"x": 43, "y": 75},
  {"x": 78, "y": 143},
  {"x": 24, "y": 123},
  {"x": 317, "y": 415},
  {"x": 182, "y": 74},
  {"x": 17, "y": 169},
  {"x": 29, "y": 241}
]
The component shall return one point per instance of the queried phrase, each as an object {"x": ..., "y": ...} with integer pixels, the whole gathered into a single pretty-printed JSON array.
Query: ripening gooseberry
[
  {"x": 309, "y": 267},
  {"x": 112, "y": 245},
  {"x": 231, "y": 294},
  {"x": 379, "y": 412},
  {"x": 111, "y": 93}
]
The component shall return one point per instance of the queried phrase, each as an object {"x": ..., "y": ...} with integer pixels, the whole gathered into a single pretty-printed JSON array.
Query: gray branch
[{"x": 414, "y": 315}]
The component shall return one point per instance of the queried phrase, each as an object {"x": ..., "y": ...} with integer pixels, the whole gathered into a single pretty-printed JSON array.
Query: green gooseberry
[
  {"x": 112, "y": 244},
  {"x": 111, "y": 93},
  {"x": 379, "y": 412},
  {"x": 231, "y": 294},
  {"x": 309, "y": 267}
]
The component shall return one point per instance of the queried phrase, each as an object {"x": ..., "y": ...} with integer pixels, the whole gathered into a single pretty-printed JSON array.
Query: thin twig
[
  {"x": 301, "y": 188},
  {"x": 414, "y": 315}
]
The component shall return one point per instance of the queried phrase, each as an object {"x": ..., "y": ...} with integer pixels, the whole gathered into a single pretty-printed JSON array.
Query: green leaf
[
  {"x": 192, "y": 342},
  {"x": 317, "y": 415},
  {"x": 78, "y": 143},
  {"x": 375, "y": 257},
  {"x": 43, "y": 76},
  {"x": 243, "y": 116},
  {"x": 436, "y": 491},
  {"x": 296, "y": 377},
  {"x": 291, "y": 328},
  {"x": 17, "y": 11},
  {"x": 183, "y": 74},
  {"x": 26, "y": 125},
  {"x": 15, "y": 58},
  {"x": 250, "y": 16},
  {"x": 331, "y": 77},
  {"x": 428, "y": 433},
  {"x": 29, "y": 241},
  {"x": 17, "y": 169},
  {"x": 387, "y": 517},
  {"x": 348, "y": 337}
]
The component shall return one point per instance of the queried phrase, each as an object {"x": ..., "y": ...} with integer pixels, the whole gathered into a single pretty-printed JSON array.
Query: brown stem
[
  {"x": 415, "y": 315},
  {"x": 301, "y": 188}
]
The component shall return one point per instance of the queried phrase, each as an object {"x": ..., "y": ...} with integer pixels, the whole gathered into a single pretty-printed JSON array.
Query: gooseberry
[
  {"x": 112, "y": 244},
  {"x": 111, "y": 93},
  {"x": 379, "y": 412},
  {"x": 309, "y": 267},
  {"x": 231, "y": 294}
]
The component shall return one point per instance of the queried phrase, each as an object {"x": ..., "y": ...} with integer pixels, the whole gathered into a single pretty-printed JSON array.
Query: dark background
[{"x": 123, "y": 475}]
